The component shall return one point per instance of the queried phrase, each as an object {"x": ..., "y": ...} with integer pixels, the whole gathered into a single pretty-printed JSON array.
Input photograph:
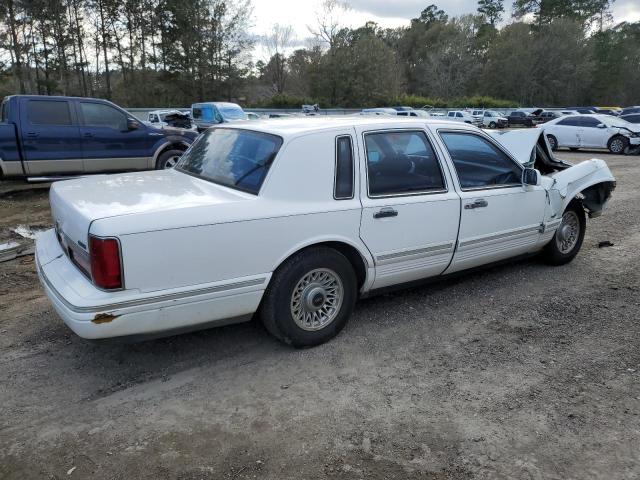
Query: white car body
[
  {"x": 155, "y": 118},
  {"x": 492, "y": 119},
  {"x": 194, "y": 253},
  {"x": 462, "y": 116},
  {"x": 591, "y": 131}
]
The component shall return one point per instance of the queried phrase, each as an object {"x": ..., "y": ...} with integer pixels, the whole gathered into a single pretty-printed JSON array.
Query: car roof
[{"x": 294, "y": 126}]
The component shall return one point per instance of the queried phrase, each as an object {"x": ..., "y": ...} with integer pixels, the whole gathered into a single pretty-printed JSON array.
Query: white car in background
[
  {"x": 592, "y": 131},
  {"x": 294, "y": 220},
  {"x": 462, "y": 116},
  {"x": 493, "y": 119}
]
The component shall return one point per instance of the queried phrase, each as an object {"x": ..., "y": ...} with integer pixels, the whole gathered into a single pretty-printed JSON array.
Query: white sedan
[
  {"x": 592, "y": 131},
  {"x": 293, "y": 221}
]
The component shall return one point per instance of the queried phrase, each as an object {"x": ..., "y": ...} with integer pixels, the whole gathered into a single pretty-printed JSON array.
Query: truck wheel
[
  {"x": 310, "y": 297},
  {"x": 492, "y": 124},
  {"x": 553, "y": 142},
  {"x": 617, "y": 144},
  {"x": 168, "y": 159},
  {"x": 566, "y": 242}
]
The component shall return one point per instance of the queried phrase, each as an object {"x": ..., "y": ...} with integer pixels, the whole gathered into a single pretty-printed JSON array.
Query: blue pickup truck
[{"x": 45, "y": 136}]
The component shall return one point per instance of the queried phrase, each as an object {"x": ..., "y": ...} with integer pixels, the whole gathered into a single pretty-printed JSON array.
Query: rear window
[
  {"x": 238, "y": 159},
  {"x": 48, "y": 112}
]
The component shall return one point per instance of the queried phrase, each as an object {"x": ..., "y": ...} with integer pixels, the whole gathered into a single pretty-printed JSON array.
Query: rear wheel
[
  {"x": 553, "y": 142},
  {"x": 168, "y": 159},
  {"x": 566, "y": 242},
  {"x": 310, "y": 297},
  {"x": 618, "y": 144}
]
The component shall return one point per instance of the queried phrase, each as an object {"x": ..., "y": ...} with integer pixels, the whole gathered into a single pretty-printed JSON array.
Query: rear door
[
  {"x": 50, "y": 137},
  {"x": 107, "y": 143},
  {"x": 410, "y": 212},
  {"x": 500, "y": 217},
  {"x": 566, "y": 131}
]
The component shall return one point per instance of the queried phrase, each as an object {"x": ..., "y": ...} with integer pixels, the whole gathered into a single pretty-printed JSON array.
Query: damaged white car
[{"x": 293, "y": 221}]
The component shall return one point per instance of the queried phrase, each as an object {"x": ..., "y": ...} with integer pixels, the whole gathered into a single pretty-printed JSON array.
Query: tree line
[{"x": 174, "y": 52}]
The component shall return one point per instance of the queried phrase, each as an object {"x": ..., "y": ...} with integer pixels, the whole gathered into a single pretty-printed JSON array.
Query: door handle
[
  {"x": 480, "y": 203},
  {"x": 385, "y": 212},
  {"x": 32, "y": 135},
  {"x": 87, "y": 135}
]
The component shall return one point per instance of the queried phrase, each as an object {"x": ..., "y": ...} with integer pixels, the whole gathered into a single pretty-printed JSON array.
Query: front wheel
[
  {"x": 553, "y": 142},
  {"x": 492, "y": 124},
  {"x": 310, "y": 297},
  {"x": 566, "y": 242},
  {"x": 618, "y": 144}
]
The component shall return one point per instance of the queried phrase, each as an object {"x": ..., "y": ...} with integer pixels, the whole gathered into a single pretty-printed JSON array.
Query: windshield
[
  {"x": 618, "y": 122},
  {"x": 231, "y": 157},
  {"x": 231, "y": 112}
]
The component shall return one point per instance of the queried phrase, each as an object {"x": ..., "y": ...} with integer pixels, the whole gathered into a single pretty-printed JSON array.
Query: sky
[{"x": 301, "y": 14}]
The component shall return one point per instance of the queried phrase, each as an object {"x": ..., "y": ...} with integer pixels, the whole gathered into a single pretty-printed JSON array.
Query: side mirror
[
  {"x": 601, "y": 125},
  {"x": 530, "y": 176},
  {"x": 132, "y": 124}
]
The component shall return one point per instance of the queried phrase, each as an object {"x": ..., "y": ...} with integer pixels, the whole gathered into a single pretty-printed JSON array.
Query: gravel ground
[{"x": 520, "y": 371}]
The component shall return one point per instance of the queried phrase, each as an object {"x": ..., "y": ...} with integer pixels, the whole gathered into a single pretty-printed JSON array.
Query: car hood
[{"x": 75, "y": 204}]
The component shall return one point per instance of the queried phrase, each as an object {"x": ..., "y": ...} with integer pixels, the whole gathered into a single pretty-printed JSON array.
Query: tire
[
  {"x": 492, "y": 124},
  {"x": 574, "y": 214},
  {"x": 618, "y": 144},
  {"x": 168, "y": 159},
  {"x": 287, "y": 294},
  {"x": 574, "y": 149},
  {"x": 553, "y": 142}
]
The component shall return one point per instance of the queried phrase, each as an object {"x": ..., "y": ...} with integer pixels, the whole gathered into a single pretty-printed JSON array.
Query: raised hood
[{"x": 77, "y": 203}]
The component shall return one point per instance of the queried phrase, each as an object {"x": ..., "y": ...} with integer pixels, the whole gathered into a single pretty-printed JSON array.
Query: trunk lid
[{"x": 75, "y": 204}]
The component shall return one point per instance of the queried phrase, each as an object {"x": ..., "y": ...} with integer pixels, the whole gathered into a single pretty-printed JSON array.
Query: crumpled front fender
[{"x": 590, "y": 180}]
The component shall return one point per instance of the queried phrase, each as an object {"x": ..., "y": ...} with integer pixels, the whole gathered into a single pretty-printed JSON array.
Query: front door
[
  {"x": 50, "y": 137},
  {"x": 107, "y": 143},
  {"x": 500, "y": 217},
  {"x": 410, "y": 212},
  {"x": 590, "y": 135}
]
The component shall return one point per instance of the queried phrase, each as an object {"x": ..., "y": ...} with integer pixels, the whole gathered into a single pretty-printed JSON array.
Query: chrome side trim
[
  {"x": 500, "y": 236},
  {"x": 422, "y": 252},
  {"x": 149, "y": 300}
]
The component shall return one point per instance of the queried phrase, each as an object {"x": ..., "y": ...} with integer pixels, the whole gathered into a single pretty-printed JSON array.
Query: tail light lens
[{"x": 106, "y": 269}]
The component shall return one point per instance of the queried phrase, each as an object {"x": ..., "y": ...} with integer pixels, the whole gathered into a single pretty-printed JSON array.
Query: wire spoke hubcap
[
  {"x": 316, "y": 299},
  {"x": 568, "y": 232}
]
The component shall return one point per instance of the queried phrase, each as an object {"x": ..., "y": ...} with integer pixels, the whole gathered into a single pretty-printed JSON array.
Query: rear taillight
[{"x": 106, "y": 268}]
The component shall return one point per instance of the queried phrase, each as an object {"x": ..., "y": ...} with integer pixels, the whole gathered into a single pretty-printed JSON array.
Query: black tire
[
  {"x": 574, "y": 149},
  {"x": 553, "y": 142},
  {"x": 492, "y": 124},
  {"x": 618, "y": 144},
  {"x": 161, "y": 163},
  {"x": 552, "y": 253},
  {"x": 276, "y": 311}
]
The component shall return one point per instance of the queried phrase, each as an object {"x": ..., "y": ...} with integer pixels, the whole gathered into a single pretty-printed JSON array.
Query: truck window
[
  {"x": 48, "y": 112},
  {"x": 343, "y": 188},
  {"x": 100, "y": 115}
]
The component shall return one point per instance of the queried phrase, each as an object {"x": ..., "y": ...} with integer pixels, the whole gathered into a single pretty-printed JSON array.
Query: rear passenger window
[
  {"x": 343, "y": 188},
  {"x": 99, "y": 115},
  {"x": 48, "y": 112},
  {"x": 569, "y": 122},
  {"x": 479, "y": 163},
  {"x": 401, "y": 163}
]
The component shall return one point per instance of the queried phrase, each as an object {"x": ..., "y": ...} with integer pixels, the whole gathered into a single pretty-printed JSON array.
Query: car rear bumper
[{"x": 95, "y": 314}]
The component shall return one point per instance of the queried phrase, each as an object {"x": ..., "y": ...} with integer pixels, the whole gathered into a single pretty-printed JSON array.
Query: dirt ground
[{"x": 521, "y": 371}]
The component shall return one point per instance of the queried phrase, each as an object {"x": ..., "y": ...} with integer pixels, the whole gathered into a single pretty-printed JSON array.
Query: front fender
[{"x": 591, "y": 179}]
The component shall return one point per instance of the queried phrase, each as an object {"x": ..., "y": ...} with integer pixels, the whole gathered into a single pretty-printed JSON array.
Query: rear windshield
[{"x": 238, "y": 159}]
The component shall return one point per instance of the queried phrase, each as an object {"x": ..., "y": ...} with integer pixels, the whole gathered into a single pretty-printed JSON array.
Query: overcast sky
[{"x": 387, "y": 13}]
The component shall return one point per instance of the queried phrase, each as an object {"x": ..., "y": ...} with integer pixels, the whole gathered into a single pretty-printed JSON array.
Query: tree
[
  {"x": 491, "y": 9},
  {"x": 276, "y": 43}
]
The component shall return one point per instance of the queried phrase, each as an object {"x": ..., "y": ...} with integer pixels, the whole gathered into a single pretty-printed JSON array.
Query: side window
[
  {"x": 401, "y": 163},
  {"x": 153, "y": 118},
  {"x": 478, "y": 162},
  {"x": 100, "y": 115},
  {"x": 569, "y": 122},
  {"x": 343, "y": 188},
  {"x": 451, "y": 114},
  {"x": 48, "y": 112},
  {"x": 458, "y": 115},
  {"x": 589, "y": 122},
  {"x": 197, "y": 112}
]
